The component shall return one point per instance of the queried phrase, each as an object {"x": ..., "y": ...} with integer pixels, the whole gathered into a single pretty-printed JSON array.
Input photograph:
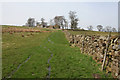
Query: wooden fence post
[{"x": 107, "y": 45}]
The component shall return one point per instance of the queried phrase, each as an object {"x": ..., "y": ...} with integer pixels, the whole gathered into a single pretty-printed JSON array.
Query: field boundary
[{"x": 96, "y": 46}]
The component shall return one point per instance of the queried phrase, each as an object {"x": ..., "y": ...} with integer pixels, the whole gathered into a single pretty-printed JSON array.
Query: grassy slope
[
  {"x": 66, "y": 61},
  {"x": 16, "y": 49},
  {"x": 69, "y": 62},
  {"x": 25, "y": 27}
]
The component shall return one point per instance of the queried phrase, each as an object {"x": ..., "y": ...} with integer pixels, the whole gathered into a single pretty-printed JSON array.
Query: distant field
[
  {"x": 6, "y": 27},
  {"x": 93, "y": 33},
  {"x": 45, "y": 54}
]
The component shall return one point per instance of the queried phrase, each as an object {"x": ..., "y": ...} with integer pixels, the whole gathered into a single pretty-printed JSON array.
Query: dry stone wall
[{"x": 96, "y": 46}]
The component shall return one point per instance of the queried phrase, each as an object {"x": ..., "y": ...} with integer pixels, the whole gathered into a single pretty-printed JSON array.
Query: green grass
[
  {"x": 16, "y": 49},
  {"x": 67, "y": 62},
  {"x": 25, "y": 27},
  {"x": 87, "y": 32}
]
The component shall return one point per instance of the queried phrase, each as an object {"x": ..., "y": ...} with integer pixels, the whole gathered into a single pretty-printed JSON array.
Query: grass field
[
  {"x": 17, "y": 49},
  {"x": 87, "y": 32},
  {"x": 6, "y": 27},
  {"x": 28, "y": 56}
]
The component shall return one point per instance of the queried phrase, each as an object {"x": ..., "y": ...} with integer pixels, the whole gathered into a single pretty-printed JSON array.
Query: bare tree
[
  {"x": 43, "y": 23},
  {"x": 31, "y": 22},
  {"x": 66, "y": 24},
  {"x": 42, "y": 19},
  {"x": 114, "y": 30},
  {"x": 90, "y": 27},
  {"x": 52, "y": 22},
  {"x": 108, "y": 29},
  {"x": 59, "y": 20},
  {"x": 74, "y": 19},
  {"x": 62, "y": 22},
  {"x": 99, "y": 27}
]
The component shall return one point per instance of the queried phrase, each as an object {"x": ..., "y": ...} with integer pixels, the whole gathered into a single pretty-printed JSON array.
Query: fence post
[{"x": 107, "y": 45}]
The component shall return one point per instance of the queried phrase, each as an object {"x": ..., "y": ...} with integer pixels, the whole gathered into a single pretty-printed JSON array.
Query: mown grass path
[{"x": 51, "y": 57}]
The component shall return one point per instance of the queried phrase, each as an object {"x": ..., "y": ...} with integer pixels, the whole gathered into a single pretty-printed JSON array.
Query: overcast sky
[{"x": 89, "y": 13}]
